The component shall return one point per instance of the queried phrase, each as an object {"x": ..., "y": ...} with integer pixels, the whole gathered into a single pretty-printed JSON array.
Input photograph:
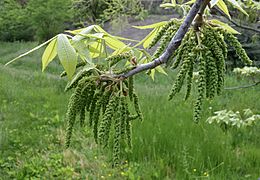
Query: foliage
[
  {"x": 229, "y": 119},
  {"x": 253, "y": 72},
  {"x": 14, "y": 23},
  {"x": 88, "y": 10},
  {"x": 49, "y": 17},
  {"x": 117, "y": 8}
]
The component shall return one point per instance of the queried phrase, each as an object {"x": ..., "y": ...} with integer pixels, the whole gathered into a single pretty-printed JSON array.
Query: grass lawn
[{"x": 167, "y": 145}]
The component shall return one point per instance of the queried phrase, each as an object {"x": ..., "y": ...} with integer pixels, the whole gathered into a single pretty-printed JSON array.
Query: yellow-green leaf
[
  {"x": 223, "y": 7},
  {"x": 237, "y": 5},
  {"x": 160, "y": 70},
  {"x": 67, "y": 55},
  {"x": 224, "y": 26},
  {"x": 148, "y": 38},
  {"x": 167, "y": 5},
  {"x": 114, "y": 43},
  {"x": 49, "y": 53},
  {"x": 151, "y": 26},
  {"x": 152, "y": 72},
  {"x": 28, "y": 52}
]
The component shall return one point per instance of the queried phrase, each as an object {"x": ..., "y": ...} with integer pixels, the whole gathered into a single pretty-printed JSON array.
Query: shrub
[
  {"x": 14, "y": 23},
  {"x": 49, "y": 17}
]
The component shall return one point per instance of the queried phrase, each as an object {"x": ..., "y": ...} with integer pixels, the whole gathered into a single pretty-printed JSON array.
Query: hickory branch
[{"x": 197, "y": 7}]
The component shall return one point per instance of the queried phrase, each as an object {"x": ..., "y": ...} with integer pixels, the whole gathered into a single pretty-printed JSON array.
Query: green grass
[{"x": 167, "y": 145}]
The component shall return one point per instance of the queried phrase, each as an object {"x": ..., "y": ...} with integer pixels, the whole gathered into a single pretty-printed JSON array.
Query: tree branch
[
  {"x": 236, "y": 24},
  {"x": 199, "y": 5},
  {"x": 241, "y": 87}
]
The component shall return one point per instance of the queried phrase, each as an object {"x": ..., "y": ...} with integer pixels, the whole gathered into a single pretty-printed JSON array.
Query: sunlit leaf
[
  {"x": 160, "y": 70},
  {"x": 80, "y": 34},
  {"x": 224, "y": 26},
  {"x": 67, "y": 55},
  {"x": 49, "y": 53},
  {"x": 114, "y": 43},
  {"x": 190, "y": 2},
  {"x": 237, "y": 5},
  {"x": 223, "y": 7},
  {"x": 148, "y": 38},
  {"x": 167, "y": 5},
  {"x": 28, "y": 52},
  {"x": 151, "y": 26},
  {"x": 152, "y": 73}
]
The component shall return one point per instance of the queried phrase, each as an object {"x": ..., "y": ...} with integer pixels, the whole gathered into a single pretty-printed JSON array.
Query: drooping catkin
[
  {"x": 233, "y": 42},
  {"x": 137, "y": 106},
  {"x": 73, "y": 108},
  {"x": 166, "y": 38},
  {"x": 190, "y": 74},
  {"x": 131, "y": 87},
  {"x": 96, "y": 114},
  {"x": 162, "y": 31},
  {"x": 114, "y": 59},
  {"x": 201, "y": 87},
  {"x": 105, "y": 124},
  {"x": 93, "y": 107},
  {"x": 210, "y": 42}
]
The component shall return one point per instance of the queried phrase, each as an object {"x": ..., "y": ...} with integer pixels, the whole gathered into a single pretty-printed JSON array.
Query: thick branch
[
  {"x": 242, "y": 87},
  {"x": 175, "y": 42},
  {"x": 236, "y": 24}
]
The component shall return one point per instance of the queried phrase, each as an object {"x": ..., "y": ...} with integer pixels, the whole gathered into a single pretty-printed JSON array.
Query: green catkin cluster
[
  {"x": 233, "y": 42},
  {"x": 201, "y": 85},
  {"x": 187, "y": 59},
  {"x": 114, "y": 59},
  {"x": 166, "y": 38},
  {"x": 163, "y": 30},
  {"x": 208, "y": 47},
  {"x": 105, "y": 103}
]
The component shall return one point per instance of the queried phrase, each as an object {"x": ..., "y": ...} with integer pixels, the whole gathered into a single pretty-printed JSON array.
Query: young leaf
[
  {"x": 236, "y": 5},
  {"x": 32, "y": 50},
  {"x": 223, "y": 7},
  {"x": 151, "y": 26},
  {"x": 67, "y": 55},
  {"x": 49, "y": 53},
  {"x": 224, "y": 26},
  {"x": 114, "y": 43},
  {"x": 80, "y": 34},
  {"x": 148, "y": 38},
  {"x": 167, "y": 5},
  {"x": 161, "y": 70}
]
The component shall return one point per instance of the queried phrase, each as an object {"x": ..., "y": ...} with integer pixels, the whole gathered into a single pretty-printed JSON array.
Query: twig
[
  {"x": 236, "y": 24},
  {"x": 175, "y": 42},
  {"x": 241, "y": 87}
]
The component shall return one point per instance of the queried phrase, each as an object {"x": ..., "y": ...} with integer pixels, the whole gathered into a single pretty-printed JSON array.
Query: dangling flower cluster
[
  {"x": 107, "y": 103},
  {"x": 203, "y": 50},
  {"x": 164, "y": 35}
]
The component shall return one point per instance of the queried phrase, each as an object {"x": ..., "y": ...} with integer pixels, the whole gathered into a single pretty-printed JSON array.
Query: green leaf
[
  {"x": 82, "y": 50},
  {"x": 80, "y": 34},
  {"x": 161, "y": 70},
  {"x": 224, "y": 26},
  {"x": 190, "y": 2},
  {"x": 32, "y": 50},
  {"x": 152, "y": 72},
  {"x": 49, "y": 53},
  {"x": 114, "y": 43},
  {"x": 223, "y": 7},
  {"x": 151, "y": 26},
  {"x": 67, "y": 55},
  {"x": 237, "y": 5},
  {"x": 148, "y": 38},
  {"x": 167, "y": 5}
]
